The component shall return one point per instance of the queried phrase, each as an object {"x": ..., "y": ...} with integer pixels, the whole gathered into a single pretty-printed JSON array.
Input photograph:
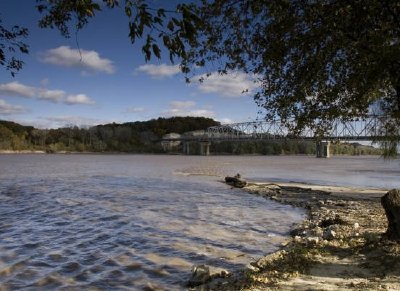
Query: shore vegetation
[{"x": 144, "y": 137}]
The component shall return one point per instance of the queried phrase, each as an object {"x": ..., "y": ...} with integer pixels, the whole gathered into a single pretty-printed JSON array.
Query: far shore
[
  {"x": 340, "y": 246},
  {"x": 41, "y": 152},
  {"x": 5, "y": 152}
]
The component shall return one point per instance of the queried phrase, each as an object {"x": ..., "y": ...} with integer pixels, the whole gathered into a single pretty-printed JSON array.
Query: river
[{"x": 127, "y": 222}]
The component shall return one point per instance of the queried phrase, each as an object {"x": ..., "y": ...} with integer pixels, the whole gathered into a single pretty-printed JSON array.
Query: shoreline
[{"x": 339, "y": 246}]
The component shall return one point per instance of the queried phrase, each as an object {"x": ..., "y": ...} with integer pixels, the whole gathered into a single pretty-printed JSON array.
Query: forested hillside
[
  {"x": 143, "y": 137},
  {"x": 137, "y": 137}
]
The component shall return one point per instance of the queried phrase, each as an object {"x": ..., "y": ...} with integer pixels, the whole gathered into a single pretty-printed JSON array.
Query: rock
[
  {"x": 317, "y": 231},
  {"x": 332, "y": 221},
  {"x": 391, "y": 203},
  {"x": 219, "y": 273},
  {"x": 313, "y": 240},
  {"x": 297, "y": 239},
  {"x": 202, "y": 274},
  {"x": 329, "y": 234},
  {"x": 235, "y": 181},
  {"x": 265, "y": 261},
  {"x": 252, "y": 267},
  {"x": 152, "y": 287}
]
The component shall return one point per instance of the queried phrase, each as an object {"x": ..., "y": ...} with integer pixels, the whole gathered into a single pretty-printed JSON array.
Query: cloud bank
[
  {"x": 83, "y": 59},
  {"x": 55, "y": 96},
  {"x": 159, "y": 71},
  {"x": 187, "y": 108},
  {"x": 233, "y": 84},
  {"x": 78, "y": 99},
  {"x": 10, "y": 109}
]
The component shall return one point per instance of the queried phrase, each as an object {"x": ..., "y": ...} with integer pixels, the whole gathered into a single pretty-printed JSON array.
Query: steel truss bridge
[{"x": 369, "y": 128}]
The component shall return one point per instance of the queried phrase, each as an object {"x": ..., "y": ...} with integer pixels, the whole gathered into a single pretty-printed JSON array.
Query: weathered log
[
  {"x": 391, "y": 203},
  {"x": 235, "y": 181}
]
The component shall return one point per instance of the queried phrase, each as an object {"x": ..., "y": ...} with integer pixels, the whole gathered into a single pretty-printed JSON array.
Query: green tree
[
  {"x": 6, "y": 136},
  {"x": 11, "y": 46},
  {"x": 314, "y": 61}
]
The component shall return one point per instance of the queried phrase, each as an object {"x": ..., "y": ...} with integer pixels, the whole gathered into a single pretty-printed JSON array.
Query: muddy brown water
[{"x": 126, "y": 222}]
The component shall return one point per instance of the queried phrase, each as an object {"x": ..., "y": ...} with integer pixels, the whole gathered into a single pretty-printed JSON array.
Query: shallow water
[
  {"x": 128, "y": 222},
  {"x": 357, "y": 171}
]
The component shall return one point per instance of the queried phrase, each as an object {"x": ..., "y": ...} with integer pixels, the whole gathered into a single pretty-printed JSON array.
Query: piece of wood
[{"x": 391, "y": 203}]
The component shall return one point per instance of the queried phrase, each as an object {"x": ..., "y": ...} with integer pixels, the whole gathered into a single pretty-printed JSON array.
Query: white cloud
[
  {"x": 86, "y": 60},
  {"x": 9, "y": 109},
  {"x": 187, "y": 108},
  {"x": 159, "y": 71},
  {"x": 17, "y": 89},
  {"x": 55, "y": 96},
  {"x": 134, "y": 109},
  {"x": 232, "y": 84},
  {"x": 78, "y": 99}
]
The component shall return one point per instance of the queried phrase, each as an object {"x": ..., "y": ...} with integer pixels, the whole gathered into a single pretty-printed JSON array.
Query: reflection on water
[{"x": 126, "y": 222}]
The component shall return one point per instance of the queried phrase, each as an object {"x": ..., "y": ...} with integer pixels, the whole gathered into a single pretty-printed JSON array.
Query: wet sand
[{"x": 340, "y": 246}]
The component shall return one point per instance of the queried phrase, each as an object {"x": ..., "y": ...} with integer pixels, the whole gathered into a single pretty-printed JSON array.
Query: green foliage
[
  {"x": 354, "y": 149},
  {"x": 16, "y": 128},
  {"x": 58, "y": 14},
  {"x": 11, "y": 45},
  {"x": 389, "y": 148},
  {"x": 137, "y": 137},
  {"x": 315, "y": 60},
  {"x": 171, "y": 28}
]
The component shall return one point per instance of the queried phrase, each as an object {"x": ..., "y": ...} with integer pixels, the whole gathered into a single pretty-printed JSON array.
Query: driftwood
[
  {"x": 391, "y": 203},
  {"x": 235, "y": 181}
]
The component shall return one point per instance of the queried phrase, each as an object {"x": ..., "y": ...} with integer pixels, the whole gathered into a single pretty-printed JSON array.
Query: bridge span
[{"x": 362, "y": 129}]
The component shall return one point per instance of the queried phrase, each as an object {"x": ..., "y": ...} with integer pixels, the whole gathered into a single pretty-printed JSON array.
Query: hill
[{"x": 137, "y": 137}]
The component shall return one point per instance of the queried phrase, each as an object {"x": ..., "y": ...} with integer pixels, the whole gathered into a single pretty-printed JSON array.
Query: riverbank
[
  {"x": 10, "y": 152},
  {"x": 338, "y": 247}
]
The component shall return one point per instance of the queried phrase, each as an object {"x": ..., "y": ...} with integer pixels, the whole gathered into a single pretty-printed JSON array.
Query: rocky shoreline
[{"x": 338, "y": 247}]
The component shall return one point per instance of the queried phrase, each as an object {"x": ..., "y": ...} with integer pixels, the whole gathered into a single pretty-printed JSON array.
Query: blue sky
[{"x": 108, "y": 80}]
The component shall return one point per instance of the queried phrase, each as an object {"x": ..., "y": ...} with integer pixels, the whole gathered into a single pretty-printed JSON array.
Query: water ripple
[{"x": 74, "y": 225}]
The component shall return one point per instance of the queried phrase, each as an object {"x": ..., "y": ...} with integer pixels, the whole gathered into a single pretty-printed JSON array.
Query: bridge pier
[
  {"x": 323, "y": 149},
  {"x": 205, "y": 148},
  {"x": 186, "y": 148}
]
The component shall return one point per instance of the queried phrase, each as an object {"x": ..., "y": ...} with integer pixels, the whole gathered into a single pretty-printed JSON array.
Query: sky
[{"x": 100, "y": 77}]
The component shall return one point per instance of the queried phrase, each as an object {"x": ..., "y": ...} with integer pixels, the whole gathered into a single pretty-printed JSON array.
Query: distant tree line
[
  {"x": 135, "y": 137},
  {"x": 144, "y": 137},
  {"x": 284, "y": 147}
]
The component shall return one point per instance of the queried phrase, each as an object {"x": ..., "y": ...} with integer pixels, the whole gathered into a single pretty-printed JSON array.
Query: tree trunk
[{"x": 391, "y": 203}]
